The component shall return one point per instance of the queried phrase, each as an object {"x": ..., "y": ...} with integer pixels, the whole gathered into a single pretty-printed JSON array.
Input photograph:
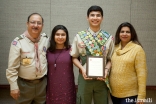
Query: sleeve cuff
[{"x": 14, "y": 86}]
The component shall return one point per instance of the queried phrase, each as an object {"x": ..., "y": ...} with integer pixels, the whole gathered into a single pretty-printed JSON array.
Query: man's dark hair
[
  {"x": 35, "y": 14},
  {"x": 95, "y": 8}
]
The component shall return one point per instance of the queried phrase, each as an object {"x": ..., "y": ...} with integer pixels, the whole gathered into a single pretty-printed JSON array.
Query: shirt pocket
[{"x": 26, "y": 58}]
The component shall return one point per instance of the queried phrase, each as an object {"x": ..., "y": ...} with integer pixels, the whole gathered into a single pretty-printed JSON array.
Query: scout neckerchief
[{"x": 37, "y": 58}]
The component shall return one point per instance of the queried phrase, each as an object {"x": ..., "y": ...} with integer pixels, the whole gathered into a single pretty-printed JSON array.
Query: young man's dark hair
[{"x": 95, "y": 8}]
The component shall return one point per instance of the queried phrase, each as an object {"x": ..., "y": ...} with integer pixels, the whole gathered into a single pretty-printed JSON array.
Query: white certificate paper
[{"x": 95, "y": 66}]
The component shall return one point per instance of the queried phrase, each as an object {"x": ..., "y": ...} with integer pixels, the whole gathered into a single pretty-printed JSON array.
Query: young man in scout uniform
[
  {"x": 92, "y": 42},
  {"x": 27, "y": 66}
]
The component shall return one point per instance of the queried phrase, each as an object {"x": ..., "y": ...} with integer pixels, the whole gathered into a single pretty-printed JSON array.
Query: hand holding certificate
[{"x": 95, "y": 66}]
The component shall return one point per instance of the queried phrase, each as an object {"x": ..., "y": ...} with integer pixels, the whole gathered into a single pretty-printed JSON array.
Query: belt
[{"x": 33, "y": 81}]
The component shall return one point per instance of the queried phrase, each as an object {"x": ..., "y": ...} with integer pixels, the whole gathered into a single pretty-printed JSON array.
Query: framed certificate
[{"x": 95, "y": 66}]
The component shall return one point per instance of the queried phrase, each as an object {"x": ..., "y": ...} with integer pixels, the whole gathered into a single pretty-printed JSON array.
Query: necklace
[{"x": 57, "y": 58}]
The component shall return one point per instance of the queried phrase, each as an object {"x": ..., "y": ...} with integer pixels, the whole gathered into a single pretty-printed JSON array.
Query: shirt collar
[{"x": 92, "y": 32}]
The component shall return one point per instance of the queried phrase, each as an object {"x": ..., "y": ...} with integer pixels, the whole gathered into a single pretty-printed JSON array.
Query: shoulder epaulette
[
  {"x": 81, "y": 32},
  {"x": 44, "y": 35},
  {"x": 19, "y": 37}
]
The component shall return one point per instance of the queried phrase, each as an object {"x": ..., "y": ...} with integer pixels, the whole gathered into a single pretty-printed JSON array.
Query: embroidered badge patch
[
  {"x": 44, "y": 49},
  {"x": 94, "y": 42},
  {"x": 81, "y": 45},
  {"x": 14, "y": 43}
]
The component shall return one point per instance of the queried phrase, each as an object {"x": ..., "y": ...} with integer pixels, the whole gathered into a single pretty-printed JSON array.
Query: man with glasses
[{"x": 27, "y": 66}]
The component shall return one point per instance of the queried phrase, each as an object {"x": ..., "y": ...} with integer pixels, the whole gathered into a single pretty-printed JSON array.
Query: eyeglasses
[{"x": 35, "y": 22}]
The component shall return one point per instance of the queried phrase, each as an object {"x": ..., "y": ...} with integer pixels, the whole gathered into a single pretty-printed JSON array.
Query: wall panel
[{"x": 143, "y": 17}]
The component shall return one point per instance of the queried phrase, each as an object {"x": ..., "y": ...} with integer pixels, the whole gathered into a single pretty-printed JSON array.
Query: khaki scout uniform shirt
[
  {"x": 76, "y": 49},
  {"x": 22, "y": 49},
  {"x": 95, "y": 39}
]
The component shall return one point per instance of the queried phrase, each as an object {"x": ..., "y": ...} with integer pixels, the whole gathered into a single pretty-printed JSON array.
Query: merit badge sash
[{"x": 95, "y": 44}]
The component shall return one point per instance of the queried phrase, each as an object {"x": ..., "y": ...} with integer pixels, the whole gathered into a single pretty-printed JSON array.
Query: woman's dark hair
[
  {"x": 134, "y": 36},
  {"x": 35, "y": 14},
  {"x": 52, "y": 46},
  {"x": 95, "y": 8}
]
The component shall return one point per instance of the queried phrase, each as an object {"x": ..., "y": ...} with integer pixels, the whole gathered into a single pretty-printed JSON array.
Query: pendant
[{"x": 54, "y": 65}]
